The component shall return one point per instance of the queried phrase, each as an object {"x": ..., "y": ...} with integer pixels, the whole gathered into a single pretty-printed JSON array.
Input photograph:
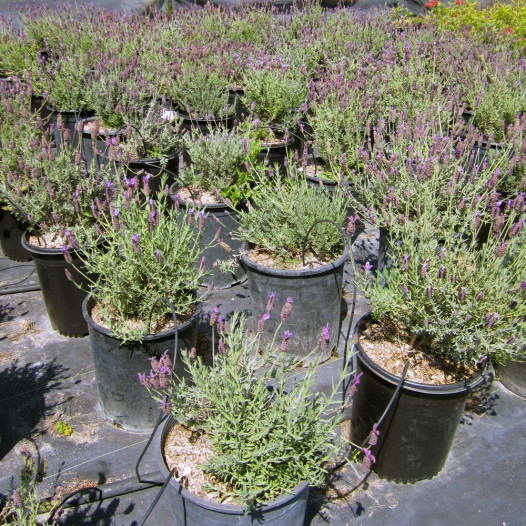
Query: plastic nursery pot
[
  {"x": 11, "y": 232},
  {"x": 418, "y": 431},
  {"x": 235, "y": 101},
  {"x": 316, "y": 295},
  {"x": 125, "y": 402},
  {"x": 276, "y": 152},
  {"x": 218, "y": 216},
  {"x": 62, "y": 298},
  {"x": 190, "y": 510},
  {"x": 69, "y": 119},
  {"x": 513, "y": 377},
  {"x": 101, "y": 151},
  {"x": 154, "y": 168}
]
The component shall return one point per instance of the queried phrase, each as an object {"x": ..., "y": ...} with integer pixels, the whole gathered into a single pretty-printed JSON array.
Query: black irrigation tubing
[
  {"x": 132, "y": 484},
  {"x": 13, "y": 289}
]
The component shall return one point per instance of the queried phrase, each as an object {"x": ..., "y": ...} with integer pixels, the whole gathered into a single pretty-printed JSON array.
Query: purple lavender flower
[
  {"x": 355, "y": 382},
  {"x": 367, "y": 267},
  {"x": 66, "y": 254},
  {"x": 425, "y": 267},
  {"x": 516, "y": 229},
  {"x": 166, "y": 407},
  {"x": 214, "y": 315},
  {"x": 325, "y": 338},
  {"x": 135, "y": 241},
  {"x": 191, "y": 217},
  {"x": 158, "y": 256},
  {"x": 68, "y": 274},
  {"x": 368, "y": 460},
  {"x": 220, "y": 324},
  {"x": 193, "y": 353},
  {"x": 462, "y": 294},
  {"x": 221, "y": 347},
  {"x": 201, "y": 219},
  {"x": 261, "y": 322},
  {"x": 429, "y": 291},
  {"x": 285, "y": 343},
  {"x": 373, "y": 437},
  {"x": 442, "y": 272},
  {"x": 202, "y": 264},
  {"x": 405, "y": 262},
  {"x": 271, "y": 300},
  {"x": 286, "y": 310},
  {"x": 479, "y": 295}
]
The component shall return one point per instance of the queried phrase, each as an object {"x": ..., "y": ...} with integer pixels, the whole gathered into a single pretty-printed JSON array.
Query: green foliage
[
  {"x": 277, "y": 94},
  {"x": 67, "y": 82},
  {"x": 149, "y": 254},
  {"x": 456, "y": 258},
  {"x": 199, "y": 91},
  {"x": 63, "y": 428},
  {"x": 269, "y": 433},
  {"x": 23, "y": 504},
  {"x": 283, "y": 210},
  {"x": 507, "y": 21},
  {"x": 60, "y": 191},
  {"x": 153, "y": 136},
  {"x": 218, "y": 162}
]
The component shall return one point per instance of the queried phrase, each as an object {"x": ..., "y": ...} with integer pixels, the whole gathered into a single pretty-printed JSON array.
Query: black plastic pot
[
  {"x": 69, "y": 119},
  {"x": 276, "y": 153},
  {"x": 101, "y": 151},
  {"x": 11, "y": 232},
  {"x": 62, "y": 298},
  {"x": 235, "y": 101},
  {"x": 191, "y": 510},
  {"x": 513, "y": 377},
  {"x": 316, "y": 295},
  {"x": 218, "y": 216},
  {"x": 418, "y": 431},
  {"x": 153, "y": 167},
  {"x": 126, "y": 402}
]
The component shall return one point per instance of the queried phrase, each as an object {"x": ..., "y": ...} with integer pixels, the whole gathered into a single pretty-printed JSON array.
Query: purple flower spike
[
  {"x": 368, "y": 267},
  {"x": 325, "y": 338},
  {"x": 285, "y": 343},
  {"x": 368, "y": 460},
  {"x": 135, "y": 241},
  {"x": 202, "y": 264},
  {"x": 286, "y": 310},
  {"x": 261, "y": 322},
  {"x": 373, "y": 437},
  {"x": 354, "y": 384},
  {"x": 405, "y": 263},
  {"x": 158, "y": 256},
  {"x": 167, "y": 409},
  {"x": 66, "y": 254},
  {"x": 271, "y": 301}
]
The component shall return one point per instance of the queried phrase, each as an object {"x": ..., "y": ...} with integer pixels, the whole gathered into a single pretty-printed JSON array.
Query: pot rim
[
  {"x": 215, "y": 207},
  {"x": 153, "y": 160},
  {"x": 43, "y": 250},
  {"x": 227, "y": 509},
  {"x": 184, "y": 116},
  {"x": 293, "y": 273},
  {"x": 89, "y": 299},
  {"x": 409, "y": 385}
]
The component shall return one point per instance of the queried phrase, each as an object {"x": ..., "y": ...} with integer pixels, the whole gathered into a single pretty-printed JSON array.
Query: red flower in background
[{"x": 432, "y": 3}]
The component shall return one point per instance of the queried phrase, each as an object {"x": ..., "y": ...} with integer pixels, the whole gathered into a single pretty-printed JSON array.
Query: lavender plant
[
  {"x": 456, "y": 297},
  {"x": 218, "y": 163},
  {"x": 283, "y": 210},
  {"x": 153, "y": 136},
  {"x": 274, "y": 91},
  {"x": 57, "y": 193},
  {"x": 276, "y": 438},
  {"x": 149, "y": 255}
]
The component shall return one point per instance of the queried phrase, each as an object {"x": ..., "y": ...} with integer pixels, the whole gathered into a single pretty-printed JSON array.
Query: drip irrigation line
[{"x": 13, "y": 289}]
